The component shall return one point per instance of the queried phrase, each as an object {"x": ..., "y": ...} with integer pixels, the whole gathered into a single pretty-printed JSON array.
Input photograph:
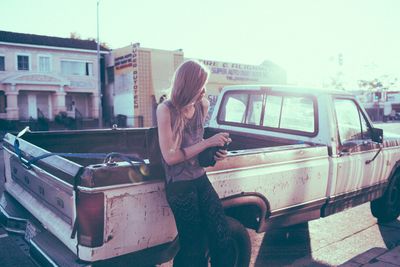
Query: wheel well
[
  {"x": 250, "y": 209},
  {"x": 248, "y": 215},
  {"x": 395, "y": 171}
]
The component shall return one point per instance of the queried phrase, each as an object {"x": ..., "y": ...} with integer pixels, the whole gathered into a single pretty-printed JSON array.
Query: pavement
[
  {"x": 14, "y": 251},
  {"x": 376, "y": 257}
]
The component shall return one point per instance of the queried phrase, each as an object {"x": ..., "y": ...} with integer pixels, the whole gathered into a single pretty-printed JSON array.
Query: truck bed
[{"x": 135, "y": 142}]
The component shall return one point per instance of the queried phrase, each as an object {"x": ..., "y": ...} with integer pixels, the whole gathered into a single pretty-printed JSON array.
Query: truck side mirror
[{"x": 377, "y": 135}]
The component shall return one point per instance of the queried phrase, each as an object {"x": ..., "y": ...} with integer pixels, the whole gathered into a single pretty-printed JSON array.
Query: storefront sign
[
  {"x": 122, "y": 62},
  {"x": 135, "y": 76},
  {"x": 237, "y": 72}
]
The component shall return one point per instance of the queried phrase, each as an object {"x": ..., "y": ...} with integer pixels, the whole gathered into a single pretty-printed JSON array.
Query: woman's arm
[
  {"x": 222, "y": 153},
  {"x": 169, "y": 150},
  {"x": 205, "y": 104}
]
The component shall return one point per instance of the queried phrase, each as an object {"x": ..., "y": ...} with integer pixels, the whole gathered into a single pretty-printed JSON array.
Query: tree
[
  {"x": 337, "y": 81},
  {"x": 75, "y": 35},
  {"x": 383, "y": 82},
  {"x": 370, "y": 84},
  {"x": 336, "y": 75}
]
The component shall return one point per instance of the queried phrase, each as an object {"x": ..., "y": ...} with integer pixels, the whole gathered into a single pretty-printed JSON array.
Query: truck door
[{"x": 355, "y": 148}]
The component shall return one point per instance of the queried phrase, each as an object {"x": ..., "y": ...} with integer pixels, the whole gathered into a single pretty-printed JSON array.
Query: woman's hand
[
  {"x": 219, "y": 139},
  {"x": 221, "y": 154}
]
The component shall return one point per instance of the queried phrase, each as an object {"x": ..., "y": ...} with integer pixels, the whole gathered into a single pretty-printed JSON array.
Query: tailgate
[
  {"x": 50, "y": 181},
  {"x": 56, "y": 194}
]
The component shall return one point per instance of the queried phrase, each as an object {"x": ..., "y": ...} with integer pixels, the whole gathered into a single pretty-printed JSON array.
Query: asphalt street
[
  {"x": 14, "y": 251},
  {"x": 350, "y": 238}
]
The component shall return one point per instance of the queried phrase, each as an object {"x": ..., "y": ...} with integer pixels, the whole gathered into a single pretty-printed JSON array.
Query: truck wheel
[
  {"x": 387, "y": 207},
  {"x": 242, "y": 243}
]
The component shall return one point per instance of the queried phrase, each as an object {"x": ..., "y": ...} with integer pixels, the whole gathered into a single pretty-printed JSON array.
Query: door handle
[
  {"x": 344, "y": 152},
  {"x": 365, "y": 143}
]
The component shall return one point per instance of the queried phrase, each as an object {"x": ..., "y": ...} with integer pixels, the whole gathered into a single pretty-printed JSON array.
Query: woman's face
[
  {"x": 202, "y": 94},
  {"x": 199, "y": 98}
]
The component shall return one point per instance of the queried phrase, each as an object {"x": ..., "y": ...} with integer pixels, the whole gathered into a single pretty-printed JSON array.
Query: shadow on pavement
[
  {"x": 284, "y": 246},
  {"x": 390, "y": 233},
  {"x": 11, "y": 254},
  {"x": 2, "y": 173}
]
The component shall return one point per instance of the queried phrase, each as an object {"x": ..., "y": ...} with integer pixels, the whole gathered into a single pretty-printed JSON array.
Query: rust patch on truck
[{"x": 145, "y": 208}]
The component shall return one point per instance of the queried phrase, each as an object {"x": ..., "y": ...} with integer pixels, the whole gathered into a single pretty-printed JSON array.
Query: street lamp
[{"x": 98, "y": 70}]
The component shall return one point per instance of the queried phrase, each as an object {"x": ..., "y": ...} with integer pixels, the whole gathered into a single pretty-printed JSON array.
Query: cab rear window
[{"x": 278, "y": 112}]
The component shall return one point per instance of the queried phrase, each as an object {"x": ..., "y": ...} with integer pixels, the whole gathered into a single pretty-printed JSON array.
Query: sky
[{"x": 305, "y": 37}]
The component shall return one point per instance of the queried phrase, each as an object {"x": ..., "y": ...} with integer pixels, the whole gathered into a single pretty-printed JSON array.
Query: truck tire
[
  {"x": 387, "y": 207},
  {"x": 242, "y": 243}
]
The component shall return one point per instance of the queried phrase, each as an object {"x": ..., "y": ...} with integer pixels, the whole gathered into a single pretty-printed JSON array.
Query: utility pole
[{"x": 99, "y": 70}]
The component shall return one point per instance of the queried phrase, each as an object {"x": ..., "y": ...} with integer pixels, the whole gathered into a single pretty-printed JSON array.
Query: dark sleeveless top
[{"x": 192, "y": 134}]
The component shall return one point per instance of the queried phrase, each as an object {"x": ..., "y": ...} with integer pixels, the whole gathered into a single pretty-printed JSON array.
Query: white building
[{"x": 41, "y": 76}]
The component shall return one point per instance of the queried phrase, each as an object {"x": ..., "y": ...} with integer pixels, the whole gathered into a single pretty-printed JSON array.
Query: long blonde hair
[{"x": 187, "y": 84}]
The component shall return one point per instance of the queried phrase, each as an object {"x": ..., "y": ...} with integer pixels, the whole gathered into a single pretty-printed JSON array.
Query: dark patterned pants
[{"x": 199, "y": 219}]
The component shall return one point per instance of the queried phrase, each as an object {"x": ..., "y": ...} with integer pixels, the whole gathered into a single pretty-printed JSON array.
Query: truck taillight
[{"x": 90, "y": 212}]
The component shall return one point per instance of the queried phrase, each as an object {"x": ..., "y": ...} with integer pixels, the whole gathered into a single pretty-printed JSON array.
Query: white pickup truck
[{"x": 297, "y": 154}]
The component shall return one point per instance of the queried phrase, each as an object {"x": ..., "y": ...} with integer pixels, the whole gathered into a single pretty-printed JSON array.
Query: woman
[{"x": 196, "y": 206}]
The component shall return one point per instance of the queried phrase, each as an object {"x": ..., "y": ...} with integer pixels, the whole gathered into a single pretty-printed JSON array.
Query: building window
[
  {"x": 110, "y": 74},
  {"x": 44, "y": 63},
  {"x": 3, "y": 102},
  {"x": 2, "y": 64},
  {"x": 89, "y": 69},
  {"x": 23, "y": 62},
  {"x": 77, "y": 68}
]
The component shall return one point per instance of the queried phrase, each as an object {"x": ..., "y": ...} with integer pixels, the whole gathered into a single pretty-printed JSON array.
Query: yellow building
[
  {"x": 227, "y": 73},
  {"x": 142, "y": 76}
]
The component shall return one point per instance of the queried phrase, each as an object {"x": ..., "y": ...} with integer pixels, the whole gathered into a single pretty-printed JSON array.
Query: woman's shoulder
[
  {"x": 205, "y": 104},
  {"x": 162, "y": 108},
  {"x": 202, "y": 107},
  {"x": 165, "y": 105}
]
